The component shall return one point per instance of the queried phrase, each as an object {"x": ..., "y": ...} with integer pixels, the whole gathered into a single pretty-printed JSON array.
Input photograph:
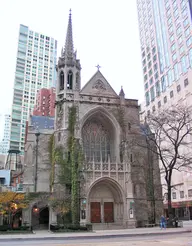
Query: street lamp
[{"x": 37, "y": 134}]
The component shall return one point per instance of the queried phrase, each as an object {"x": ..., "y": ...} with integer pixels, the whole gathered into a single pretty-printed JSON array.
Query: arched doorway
[
  {"x": 44, "y": 217},
  {"x": 40, "y": 217},
  {"x": 105, "y": 202}
]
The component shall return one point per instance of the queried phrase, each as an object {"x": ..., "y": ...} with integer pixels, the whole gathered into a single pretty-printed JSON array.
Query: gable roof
[{"x": 98, "y": 86}]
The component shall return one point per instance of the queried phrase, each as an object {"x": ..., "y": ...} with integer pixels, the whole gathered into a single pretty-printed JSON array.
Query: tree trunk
[{"x": 170, "y": 210}]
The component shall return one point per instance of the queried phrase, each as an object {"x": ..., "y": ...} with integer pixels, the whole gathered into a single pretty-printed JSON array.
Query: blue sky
[{"x": 104, "y": 32}]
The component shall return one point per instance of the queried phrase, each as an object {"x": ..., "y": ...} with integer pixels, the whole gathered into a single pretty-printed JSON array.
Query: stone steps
[{"x": 107, "y": 226}]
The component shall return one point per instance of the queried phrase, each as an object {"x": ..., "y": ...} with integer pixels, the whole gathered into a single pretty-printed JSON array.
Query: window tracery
[
  {"x": 70, "y": 80},
  {"x": 96, "y": 141}
]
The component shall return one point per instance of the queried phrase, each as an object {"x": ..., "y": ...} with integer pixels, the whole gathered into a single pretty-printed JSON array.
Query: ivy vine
[{"x": 70, "y": 160}]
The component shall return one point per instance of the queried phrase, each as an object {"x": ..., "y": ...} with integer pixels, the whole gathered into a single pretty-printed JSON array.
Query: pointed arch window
[
  {"x": 96, "y": 141},
  {"x": 61, "y": 81},
  {"x": 70, "y": 80}
]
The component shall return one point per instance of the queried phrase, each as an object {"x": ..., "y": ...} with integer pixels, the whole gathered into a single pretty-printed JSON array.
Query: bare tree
[{"x": 170, "y": 132}]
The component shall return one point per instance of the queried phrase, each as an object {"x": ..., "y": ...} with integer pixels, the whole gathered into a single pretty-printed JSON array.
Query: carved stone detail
[{"x": 99, "y": 85}]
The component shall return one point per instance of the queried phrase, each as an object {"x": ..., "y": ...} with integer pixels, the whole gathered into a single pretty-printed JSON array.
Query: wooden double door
[{"x": 108, "y": 212}]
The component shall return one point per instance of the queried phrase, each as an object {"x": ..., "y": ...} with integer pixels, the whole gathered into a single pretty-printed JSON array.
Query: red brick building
[{"x": 45, "y": 103}]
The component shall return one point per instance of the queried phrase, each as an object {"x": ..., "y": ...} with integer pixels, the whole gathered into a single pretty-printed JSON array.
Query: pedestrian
[
  {"x": 163, "y": 222},
  {"x": 176, "y": 221}
]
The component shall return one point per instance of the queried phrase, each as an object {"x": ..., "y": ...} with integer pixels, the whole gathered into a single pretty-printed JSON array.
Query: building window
[
  {"x": 174, "y": 195},
  {"x": 190, "y": 57},
  {"x": 70, "y": 80},
  {"x": 147, "y": 99},
  {"x": 158, "y": 90},
  {"x": 187, "y": 32},
  {"x": 61, "y": 80},
  {"x": 146, "y": 86},
  {"x": 176, "y": 13},
  {"x": 172, "y": 38},
  {"x": 190, "y": 193},
  {"x": 181, "y": 50},
  {"x": 176, "y": 72},
  {"x": 182, "y": 194},
  {"x": 173, "y": 47},
  {"x": 151, "y": 81},
  {"x": 183, "y": 64},
  {"x": 180, "y": 40},
  {"x": 163, "y": 84},
  {"x": 152, "y": 92},
  {"x": 186, "y": 82},
  {"x": 186, "y": 22},
  {"x": 189, "y": 41},
  {"x": 178, "y": 88},
  {"x": 171, "y": 94},
  {"x": 96, "y": 141},
  {"x": 174, "y": 57},
  {"x": 155, "y": 67},
  {"x": 156, "y": 75}
]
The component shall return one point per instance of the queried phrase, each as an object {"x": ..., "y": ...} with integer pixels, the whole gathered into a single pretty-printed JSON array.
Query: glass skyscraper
[
  {"x": 166, "y": 51},
  {"x": 165, "y": 28},
  {"x": 35, "y": 69}
]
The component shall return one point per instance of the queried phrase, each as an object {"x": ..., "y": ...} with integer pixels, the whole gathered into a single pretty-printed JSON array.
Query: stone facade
[{"x": 116, "y": 189}]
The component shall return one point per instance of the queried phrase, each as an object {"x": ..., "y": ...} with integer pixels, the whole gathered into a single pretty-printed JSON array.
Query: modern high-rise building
[
  {"x": 166, "y": 48},
  {"x": 4, "y": 145},
  {"x": 35, "y": 69},
  {"x": 45, "y": 102}
]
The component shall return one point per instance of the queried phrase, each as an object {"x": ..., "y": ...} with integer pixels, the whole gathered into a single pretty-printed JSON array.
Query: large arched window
[
  {"x": 61, "y": 81},
  {"x": 96, "y": 141},
  {"x": 70, "y": 80}
]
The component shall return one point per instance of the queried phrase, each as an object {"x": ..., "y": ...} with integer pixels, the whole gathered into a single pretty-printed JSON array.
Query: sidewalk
[{"x": 45, "y": 235}]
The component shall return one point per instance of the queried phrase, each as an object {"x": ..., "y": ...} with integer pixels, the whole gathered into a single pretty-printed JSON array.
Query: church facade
[
  {"x": 119, "y": 177},
  {"x": 105, "y": 122}
]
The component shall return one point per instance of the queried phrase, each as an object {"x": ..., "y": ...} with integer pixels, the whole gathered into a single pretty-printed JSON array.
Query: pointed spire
[
  {"x": 69, "y": 39},
  {"x": 122, "y": 93}
]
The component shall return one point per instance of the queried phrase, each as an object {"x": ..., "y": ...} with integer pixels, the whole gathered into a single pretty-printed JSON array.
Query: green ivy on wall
[{"x": 70, "y": 161}]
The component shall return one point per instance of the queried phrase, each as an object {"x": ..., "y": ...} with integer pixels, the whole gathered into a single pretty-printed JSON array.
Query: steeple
[
  {"x": 68, "y": 50},
  {"x": 68, "y": 67}
]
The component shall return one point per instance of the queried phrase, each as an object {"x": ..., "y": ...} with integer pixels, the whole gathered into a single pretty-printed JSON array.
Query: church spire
[{"x": 68, "y": 51}]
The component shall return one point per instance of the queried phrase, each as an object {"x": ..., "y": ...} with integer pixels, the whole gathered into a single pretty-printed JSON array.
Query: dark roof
[{"x": 42, "y": 122}]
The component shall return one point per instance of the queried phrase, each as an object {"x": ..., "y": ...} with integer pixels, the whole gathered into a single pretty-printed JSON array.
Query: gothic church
[{"x": 116, "y": 190}]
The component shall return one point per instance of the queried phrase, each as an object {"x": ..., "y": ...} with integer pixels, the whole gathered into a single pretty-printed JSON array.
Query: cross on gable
[{"x": 98, "y": 66}]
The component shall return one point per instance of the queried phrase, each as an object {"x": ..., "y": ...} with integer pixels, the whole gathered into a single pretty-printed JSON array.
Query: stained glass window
[{"x": 96, "y": 141}]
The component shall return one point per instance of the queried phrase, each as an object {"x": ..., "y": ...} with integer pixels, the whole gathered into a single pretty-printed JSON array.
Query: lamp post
[{"x": 37, "y": 134}]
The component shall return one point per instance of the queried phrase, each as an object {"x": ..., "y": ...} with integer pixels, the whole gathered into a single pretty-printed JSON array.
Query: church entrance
[
  {"x": 95, "y": 212},
  {"x": 96, "y": 208},
  {"x": 105, "y": 203},
  {"x": 108, "y": 212},
  {"x": 40, "y": 217}
]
